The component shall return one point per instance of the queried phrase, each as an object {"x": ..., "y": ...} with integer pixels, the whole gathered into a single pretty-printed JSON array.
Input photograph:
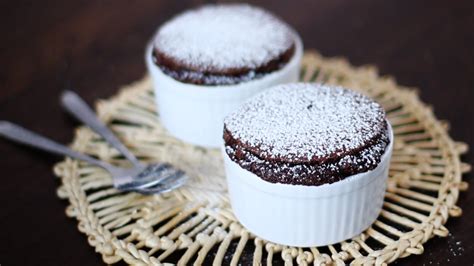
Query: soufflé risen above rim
[
  {"x": 223, "y": 45},
  {"x": 307, "y": 134},
  {"x": 207, "y": 61}
]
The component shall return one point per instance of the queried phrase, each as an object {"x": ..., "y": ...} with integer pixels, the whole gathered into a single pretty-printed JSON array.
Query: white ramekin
[
  {"x": 195, "y": 113},
  {"x": 307, "y": 216}
]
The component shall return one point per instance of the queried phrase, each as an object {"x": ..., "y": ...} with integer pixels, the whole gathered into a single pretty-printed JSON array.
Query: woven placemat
[{"x": 195, "y": 224}]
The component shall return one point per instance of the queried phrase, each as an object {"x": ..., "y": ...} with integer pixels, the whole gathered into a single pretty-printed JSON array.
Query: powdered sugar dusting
[
  {"x": 304, "y": 122},
  {"x": 216, "y": 37}
]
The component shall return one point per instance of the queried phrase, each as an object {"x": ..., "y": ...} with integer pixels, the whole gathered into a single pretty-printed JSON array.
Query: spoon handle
[
  {"x": 79, "y": 109},
  {"x": 21, "y": 135}
]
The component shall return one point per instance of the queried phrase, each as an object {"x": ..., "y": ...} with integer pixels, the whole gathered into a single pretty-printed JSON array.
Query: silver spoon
[{"x": 126, "y": 179}]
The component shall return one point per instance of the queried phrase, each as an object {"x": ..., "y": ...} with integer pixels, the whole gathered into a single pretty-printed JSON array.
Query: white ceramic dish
[
  {"x": 195, "y": 113},
  {"x": 307, "y": 216}
]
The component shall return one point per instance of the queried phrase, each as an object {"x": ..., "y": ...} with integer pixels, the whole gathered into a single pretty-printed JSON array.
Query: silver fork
[
  {"x": 155, "y": 173},
  {"x": 149, "y": 179},
  {"x": 142, "y": 178}
]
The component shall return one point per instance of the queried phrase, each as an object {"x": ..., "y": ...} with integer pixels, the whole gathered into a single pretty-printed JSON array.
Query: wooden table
[{"x": 96, "y": 46}]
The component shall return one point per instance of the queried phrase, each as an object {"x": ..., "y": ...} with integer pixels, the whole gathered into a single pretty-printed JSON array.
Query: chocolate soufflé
[
  {"x": 307, "y": 134},
  {"x": 223, "y": 45}
]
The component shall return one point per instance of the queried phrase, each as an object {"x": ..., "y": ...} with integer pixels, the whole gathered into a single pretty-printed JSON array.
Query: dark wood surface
[{"x": 96, "y": 46}]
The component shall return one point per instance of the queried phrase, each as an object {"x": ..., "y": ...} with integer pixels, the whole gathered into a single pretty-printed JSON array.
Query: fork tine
[
  {"x": 166, "y": 178},
  {"x": 165, "y": 187},
  {"x": 162, "y": 173}
]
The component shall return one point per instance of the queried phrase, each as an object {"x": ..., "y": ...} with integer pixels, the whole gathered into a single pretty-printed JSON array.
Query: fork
[
  {"x": 147, "y": 179},
  {"x": 81, "y": 111}
]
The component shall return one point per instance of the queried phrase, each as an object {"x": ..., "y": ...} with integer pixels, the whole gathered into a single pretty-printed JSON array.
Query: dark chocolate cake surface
[
  {"x": 307, "y": 134},
  {"x": 223, "y": 45}
]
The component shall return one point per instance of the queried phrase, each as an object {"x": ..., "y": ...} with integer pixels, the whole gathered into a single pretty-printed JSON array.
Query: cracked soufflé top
[
  {"x": 223, "y": 45},
  {"x": 307, "y": 134}
]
